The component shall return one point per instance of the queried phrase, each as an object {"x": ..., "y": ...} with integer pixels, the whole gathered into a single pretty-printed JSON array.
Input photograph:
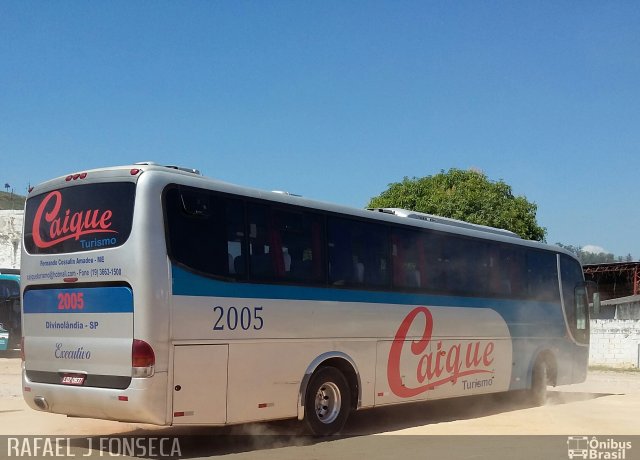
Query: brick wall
[{"x": 614, "y": 342}]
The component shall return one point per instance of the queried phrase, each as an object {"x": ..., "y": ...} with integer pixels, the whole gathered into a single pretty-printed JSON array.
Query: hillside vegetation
[{"x": 8, "y": 201}]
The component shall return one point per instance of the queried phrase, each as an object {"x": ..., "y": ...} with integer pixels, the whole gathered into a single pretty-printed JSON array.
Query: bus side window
[
  {"x": 434, "y": 273},
  {"x": 205, "y": 231},
  {"x": 302, "y": 235},
  {"x": 374, "y": 255},
  {"x": 542, "y": 275},
  {"x": 228, "y": 215},
  {"x": 236, "y": 239},
  {"x": 358, "y": 253},
  {"x": 190, "y": 230},
  {"x": 495, "y": 285},
  {"x": 476, "y": 269},
  {"x": 513, "y": 272},
  {"x": 265, "y": 253},
  {"x": 448, "y": 274},
  {"x": 341, "y": 268},
  {"x": 408, "y": 259}
]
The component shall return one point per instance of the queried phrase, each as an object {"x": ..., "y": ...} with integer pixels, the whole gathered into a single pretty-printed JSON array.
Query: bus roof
[
  {"x": 193, "y": 177},
  {"x": 445, "y": 220}
]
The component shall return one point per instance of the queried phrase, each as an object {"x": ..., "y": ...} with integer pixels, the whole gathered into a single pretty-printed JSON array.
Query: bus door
[{"x": 200, "y": 384}]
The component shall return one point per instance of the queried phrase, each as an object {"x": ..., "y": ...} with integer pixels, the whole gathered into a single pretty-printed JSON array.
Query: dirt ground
[{"x": 608, "y": 403}]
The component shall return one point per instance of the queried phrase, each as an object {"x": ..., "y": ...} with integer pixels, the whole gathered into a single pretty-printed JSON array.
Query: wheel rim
[{"x": 328, "y": 402}]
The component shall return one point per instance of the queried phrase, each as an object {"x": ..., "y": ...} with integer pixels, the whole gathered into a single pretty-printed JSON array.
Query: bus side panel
[
  {"x": 200, "y": 384},
  {"x": 265, "y": 378},
  {"x": 272, "y": 343}
]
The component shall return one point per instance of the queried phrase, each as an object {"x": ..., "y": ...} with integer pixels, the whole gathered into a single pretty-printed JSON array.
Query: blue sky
[{"x": 334, "y": 100}]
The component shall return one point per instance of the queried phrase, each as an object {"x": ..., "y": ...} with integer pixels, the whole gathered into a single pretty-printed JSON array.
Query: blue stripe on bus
[
  {"x": 114, "y": 299},
  {"x": 522, "y": 316}
]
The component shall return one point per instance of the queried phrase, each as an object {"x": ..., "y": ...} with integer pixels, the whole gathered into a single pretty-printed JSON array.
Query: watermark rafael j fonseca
[{"x": 149, "y": 447}]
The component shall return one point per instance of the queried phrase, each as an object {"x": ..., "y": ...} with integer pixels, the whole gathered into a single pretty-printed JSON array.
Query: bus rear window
[{"x": 79, "y": 218}]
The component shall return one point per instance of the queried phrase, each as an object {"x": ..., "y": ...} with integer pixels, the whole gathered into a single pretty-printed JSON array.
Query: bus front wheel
[
  {"x": 327, "y": 402},
  {"x": 539, "y": 382}
]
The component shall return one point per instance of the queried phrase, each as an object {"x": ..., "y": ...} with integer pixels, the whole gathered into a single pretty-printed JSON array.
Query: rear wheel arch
[{"x": 343, "y": 363}]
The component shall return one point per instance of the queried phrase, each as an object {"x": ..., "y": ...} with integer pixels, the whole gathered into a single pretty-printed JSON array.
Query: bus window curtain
[
  {"x": 275, "y": 245},
  {"x": 398, "y": 261},
  {"x": 316, "y": 235}
]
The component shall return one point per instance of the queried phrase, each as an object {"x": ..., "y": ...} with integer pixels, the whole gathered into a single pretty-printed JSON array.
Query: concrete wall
[
  {"x": 10, "y": 238},
  {"x": 615, "y": 342}
]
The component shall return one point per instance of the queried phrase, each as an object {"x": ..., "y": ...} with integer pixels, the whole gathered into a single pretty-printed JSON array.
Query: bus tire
[
  {"x": 327, "y": 402},
  {"x": 539, "y": 382}
]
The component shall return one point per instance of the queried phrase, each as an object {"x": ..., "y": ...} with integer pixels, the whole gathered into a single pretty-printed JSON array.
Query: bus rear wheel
[
  {"x": 539, "y": 382},
  {"x": 327, "y": 402}
]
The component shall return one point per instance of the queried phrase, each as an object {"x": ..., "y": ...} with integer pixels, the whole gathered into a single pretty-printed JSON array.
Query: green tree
[{"x": 465, "y": 195}]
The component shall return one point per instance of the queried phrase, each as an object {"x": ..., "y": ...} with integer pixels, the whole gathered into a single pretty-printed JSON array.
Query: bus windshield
[{"x": 79, "y": 218}]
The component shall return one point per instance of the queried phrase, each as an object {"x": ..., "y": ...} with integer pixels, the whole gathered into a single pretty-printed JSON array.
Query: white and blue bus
[{"x": 152, "y": 294}]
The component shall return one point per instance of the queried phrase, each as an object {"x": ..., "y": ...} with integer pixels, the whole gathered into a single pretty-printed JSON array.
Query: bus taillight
[{"x": 143, "y": 359}]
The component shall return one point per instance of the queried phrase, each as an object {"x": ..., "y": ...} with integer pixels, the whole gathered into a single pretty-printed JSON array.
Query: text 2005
[
  {"x": 232, "y": 318},
  {"x": 71, "y": 301}
]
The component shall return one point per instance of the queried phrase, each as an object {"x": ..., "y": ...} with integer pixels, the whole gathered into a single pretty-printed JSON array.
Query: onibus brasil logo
[{"x": 593, "y": 448}]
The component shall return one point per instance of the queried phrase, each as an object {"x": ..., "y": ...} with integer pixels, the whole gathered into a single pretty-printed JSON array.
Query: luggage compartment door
[{"x": 200, "y": 384}]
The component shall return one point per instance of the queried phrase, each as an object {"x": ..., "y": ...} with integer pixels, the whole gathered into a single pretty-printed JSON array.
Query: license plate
[{"x": 73, "y": 379}]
